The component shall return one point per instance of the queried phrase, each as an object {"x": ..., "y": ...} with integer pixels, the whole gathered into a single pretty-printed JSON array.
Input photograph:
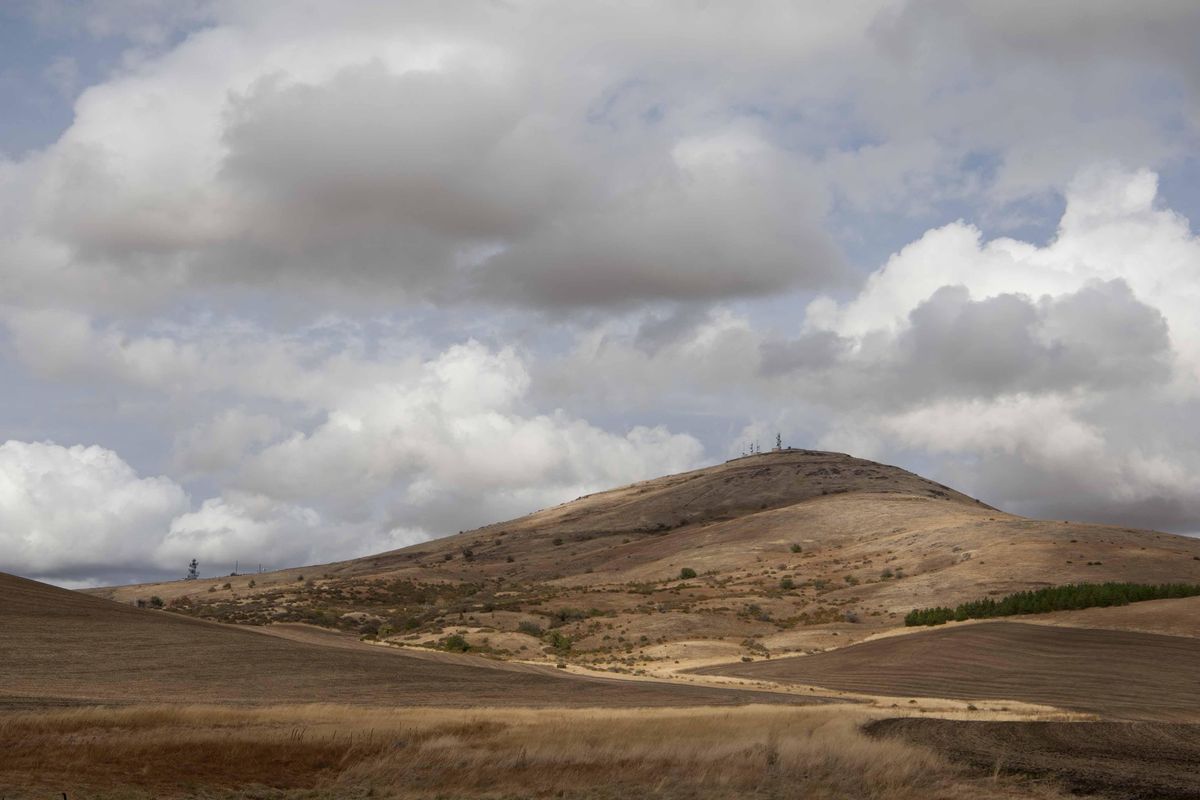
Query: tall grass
[{"x": 339, "y": 751}]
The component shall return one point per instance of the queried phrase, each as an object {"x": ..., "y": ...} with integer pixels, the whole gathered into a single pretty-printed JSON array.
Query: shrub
[
  {"x": 531, "y": 628},
  {"x": 455, "y": 643},
  {"x": 796, "y": 548},
  {"x": 156, "y": 601},
  {"x": 252, "y": 584},
  {"x": 787, "y": 584},
  {"x": 687, "y": 573},
  {"x": 887, "y": 573},
  {"x": 558, "y": 541},
  {"x": 560, "y": 642}
]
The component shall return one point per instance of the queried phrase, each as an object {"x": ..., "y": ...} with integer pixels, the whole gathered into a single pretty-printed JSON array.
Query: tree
[{"x": 193, "y": 571}]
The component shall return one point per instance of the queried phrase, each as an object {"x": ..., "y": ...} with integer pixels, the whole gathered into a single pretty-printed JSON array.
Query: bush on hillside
[
  {"x": 687, "y": 573},
  {"x": 455, "y": 643},
  {"x": 531, "y": 629}
]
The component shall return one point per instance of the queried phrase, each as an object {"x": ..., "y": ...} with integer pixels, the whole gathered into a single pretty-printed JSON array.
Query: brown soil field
[
  {"x": 1137, "y": 761},
  {"x": 1179, "y": 617},
  {"x": 65, "y": 647},
  {"x": 1115, "y": 674},
  {"x": 328, "y": 752},
  {"x": 789, "y": 548}
]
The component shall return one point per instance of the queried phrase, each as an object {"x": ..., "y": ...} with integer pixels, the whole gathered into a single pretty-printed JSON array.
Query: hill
[
  {"x": 65, "y": 648},
  {"x": 793, "y": 551}
]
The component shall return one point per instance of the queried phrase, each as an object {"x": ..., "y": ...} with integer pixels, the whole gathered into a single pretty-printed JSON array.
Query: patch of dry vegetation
[{"x": 338, "y": 751}]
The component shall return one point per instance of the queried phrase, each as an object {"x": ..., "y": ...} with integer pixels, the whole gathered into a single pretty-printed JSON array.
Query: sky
[{"x": 284, "y": 283}]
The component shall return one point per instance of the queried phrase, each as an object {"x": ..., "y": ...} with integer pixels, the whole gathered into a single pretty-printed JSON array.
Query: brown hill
[
  {"x": 794, "y": 551},
  {"x": 63, "y": 647}
]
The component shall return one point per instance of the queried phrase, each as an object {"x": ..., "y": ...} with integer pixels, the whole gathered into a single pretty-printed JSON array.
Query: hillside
[
  {"x": 1116, "y": 674},
  {"x": 794, "y": 551},
  {"x": 65, "y": 648}
]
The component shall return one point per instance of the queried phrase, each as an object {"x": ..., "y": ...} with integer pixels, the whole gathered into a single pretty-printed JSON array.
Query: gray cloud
[
  {"x": 1097, "y": 338},
  {"x": 348, "y": 275}
]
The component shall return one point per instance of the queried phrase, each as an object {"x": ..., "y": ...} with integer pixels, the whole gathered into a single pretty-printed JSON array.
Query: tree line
[{"x": 1052, "y": 598}]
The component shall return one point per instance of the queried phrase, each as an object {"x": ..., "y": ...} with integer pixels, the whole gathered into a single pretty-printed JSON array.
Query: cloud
[
  {"x": 1050, "y": 379},
  {"x": 330, "y": 454},
  {"x": 224, "y": 441},
  {"x": 351, "y": 275},
  {"x": 420, "y": 161},
  {"x": 522, "y": 156},
  {"x": 72, "y": 511}
]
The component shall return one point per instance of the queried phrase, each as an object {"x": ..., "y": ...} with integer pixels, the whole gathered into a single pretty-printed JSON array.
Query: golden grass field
[{"x": 330, "y": 751}]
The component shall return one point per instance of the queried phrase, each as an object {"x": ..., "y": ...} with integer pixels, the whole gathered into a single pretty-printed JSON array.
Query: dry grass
[{"x": 339, "y": 751}]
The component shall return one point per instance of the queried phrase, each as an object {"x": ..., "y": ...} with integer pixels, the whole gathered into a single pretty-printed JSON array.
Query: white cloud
[
  {"x": 79, "y": 510},
  {"x": 1046, "y": 378}
]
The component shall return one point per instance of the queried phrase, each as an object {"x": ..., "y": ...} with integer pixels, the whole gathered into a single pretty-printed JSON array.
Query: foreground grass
[{"x": 342, "y": 752}]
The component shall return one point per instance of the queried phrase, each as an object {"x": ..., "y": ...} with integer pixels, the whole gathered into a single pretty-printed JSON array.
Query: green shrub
[
  {"x": 455, "y": 643},
  {"x": 796, "y": 548},
  {"x": 156, "y": 601},
  {"x": 560, "y": 642},
  {"x": 687, "y": 573},
  {"x": 787, "y": 584}
]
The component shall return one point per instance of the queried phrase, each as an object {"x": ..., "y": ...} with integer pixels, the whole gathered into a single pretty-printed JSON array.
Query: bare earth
[
  {"x": 1116, "y": 674},
  {"x": 65, "y": 647},
  {"x": 1119, "y": 759}
]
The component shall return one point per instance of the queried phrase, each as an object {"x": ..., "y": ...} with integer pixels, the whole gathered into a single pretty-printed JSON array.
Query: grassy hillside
[{"x": 794, "y": 551}]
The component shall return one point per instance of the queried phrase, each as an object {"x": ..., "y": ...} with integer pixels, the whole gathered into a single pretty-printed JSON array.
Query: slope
[
  {"x": 794, "y": 551},
  {"x": 1117, "y": 674},
  {"x": 63, "y": 647}
]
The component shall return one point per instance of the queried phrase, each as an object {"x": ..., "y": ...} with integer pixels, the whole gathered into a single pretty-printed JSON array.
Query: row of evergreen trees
[{"x": 1053, "y": 598}]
